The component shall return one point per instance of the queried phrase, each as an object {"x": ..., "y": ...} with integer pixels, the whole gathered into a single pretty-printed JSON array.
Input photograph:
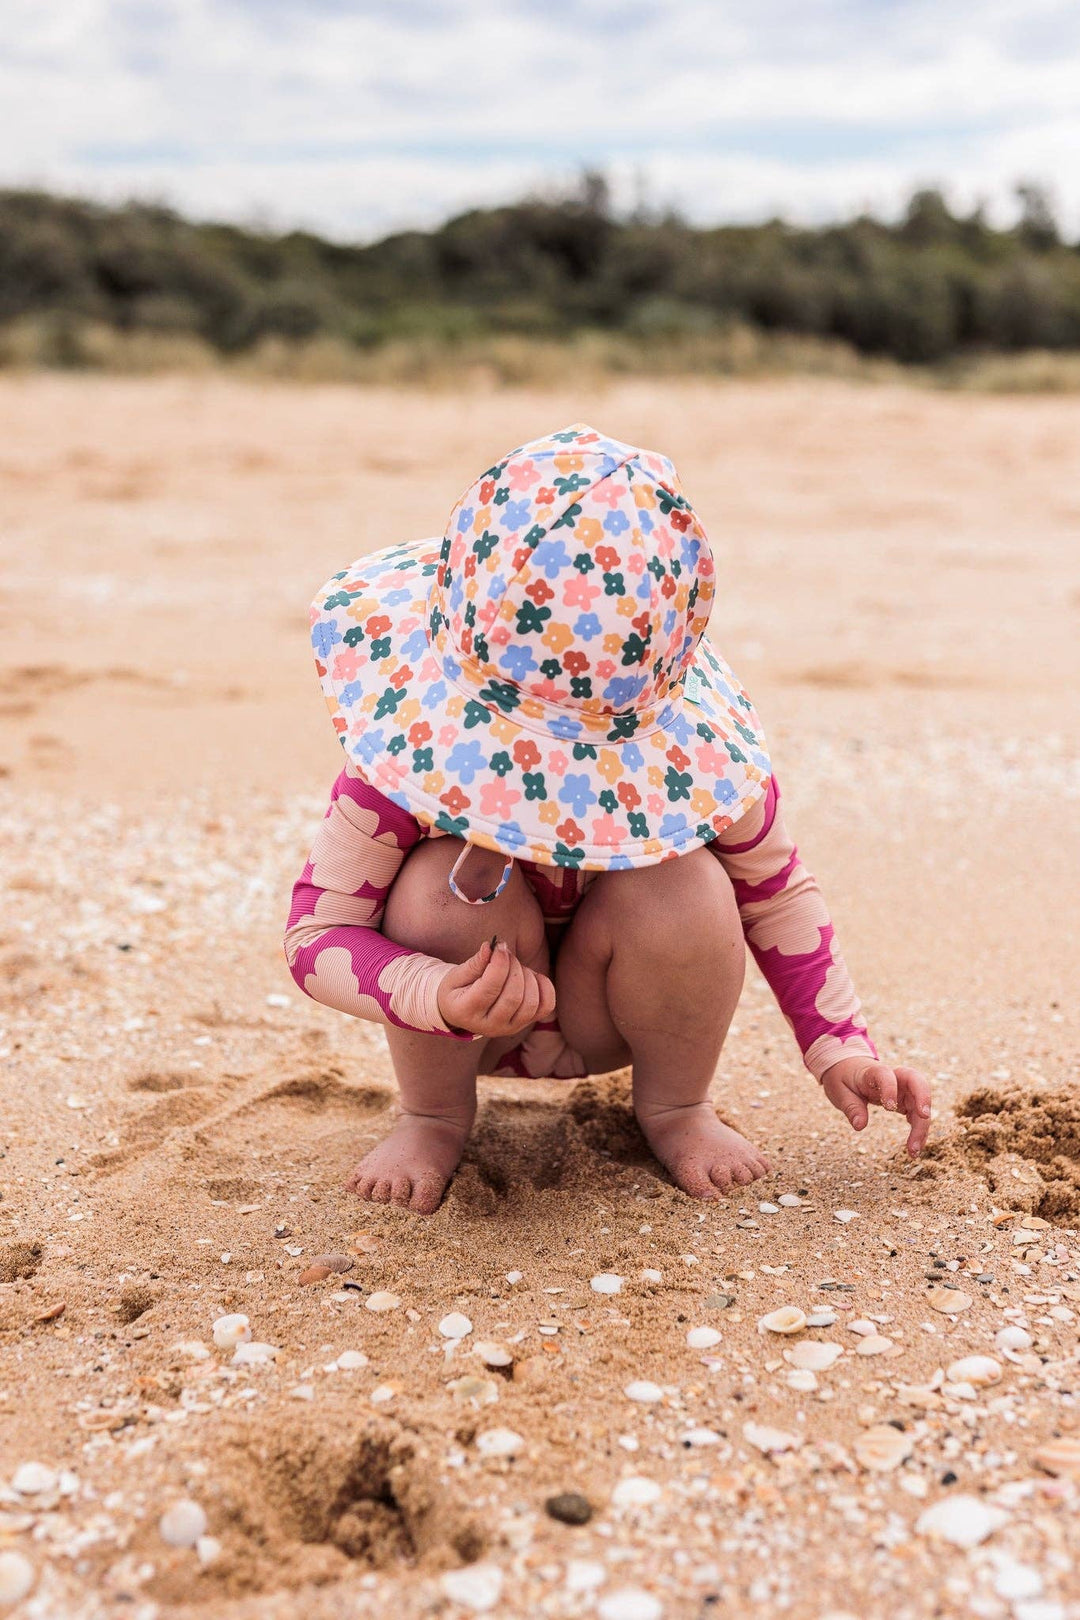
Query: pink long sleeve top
[{"x": 339, "y": 956}]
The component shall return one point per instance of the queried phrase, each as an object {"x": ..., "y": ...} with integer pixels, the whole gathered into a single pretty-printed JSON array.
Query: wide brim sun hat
[{"x": 536, "y": 680}]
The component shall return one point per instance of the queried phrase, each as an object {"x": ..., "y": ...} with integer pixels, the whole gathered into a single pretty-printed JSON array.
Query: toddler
[{"x": 557, "y": 826}]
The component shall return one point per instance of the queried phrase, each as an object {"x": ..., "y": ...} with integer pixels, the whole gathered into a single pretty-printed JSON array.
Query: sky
[{"x": 359, "y": 117}]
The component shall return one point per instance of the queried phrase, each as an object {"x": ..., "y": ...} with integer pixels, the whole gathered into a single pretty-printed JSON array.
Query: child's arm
[
  {"x": 791, "y": 936},
  {"x": 333, "y": 945}
]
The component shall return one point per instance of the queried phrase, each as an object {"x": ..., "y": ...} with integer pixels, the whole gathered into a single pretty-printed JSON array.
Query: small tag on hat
[{"x": 694, "y": 685}]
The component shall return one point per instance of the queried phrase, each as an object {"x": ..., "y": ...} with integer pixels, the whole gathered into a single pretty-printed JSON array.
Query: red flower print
[
  {"x": 677, "y": 757},
  {"x": 419, "y": 734},
  {"x": 569, "y": 832},
  {"x": 680, "y": 520},
  {"x": 545, "y": 496},
  {"x": 605, "y": 669},
  {"x": 521, "y": 557},
  {"x": 540, "y": 592},
  {"x": 526, "y": 754},
  {"x": 401, "y": 677},
  {"x": 641, "y": 623},
  {"x": 470, "y": 565},
  {"x": 667, "y": 586},
  {"x": 607, "y": 557},
  {"x": 378, "y": 626},
  {"x": 487, "y": 490},
  {"x": 447, "y": 736},
  {"x": 454, "y": 800},
  {"x": 628, "y": 795},
  {"x": 466, "y": 639},
  {"x": 575, "y": 663}
]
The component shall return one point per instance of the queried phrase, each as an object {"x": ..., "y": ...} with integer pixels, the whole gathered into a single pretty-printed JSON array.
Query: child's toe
[
  {"x": 401, "y": 1191},
  {"x": 720, "y": 1177},
  {"x": 427, "y": 1194},
  {"x": 381, "y": 1191}
]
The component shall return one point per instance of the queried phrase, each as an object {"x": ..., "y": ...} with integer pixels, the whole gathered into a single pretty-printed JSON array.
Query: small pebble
[
  {"x": 477, "y": 1587},
  {"x": 302, "y": 1392},
  {"x": 207, "y": 1550},
  {"x": 630, "y": 1603},
  {"x": 382, "y": 1394},
  {"x": 473, "y": 1390},
  {"x": 962, "y": 1521},
  {"x": 569, "y": 1507},
  {"x": 606, "y": 1282},
  {"x": 703, "y": 1338},
  {"x": 514, "y": 1277},
  {"x": 229, "y": 1331},
  {"x": 34, "y": 1479},
  {"x": 456, "y": 1325},
  {"x": 350, "y": 1360},
  {"x": 650, "y": 1275},
  {"x": 182, "y": 1524},
  {"x": 1012, "y": 1338},
  {"x": 382, "y": 1301},
  {"x": 802, "y": 1379},
  {"x": 845, "y": 1215},
  {"x": 701, "y": 1437},
  {"x": 636, "y": 1491},
  {"x": 788, "y": 1319},
  {"x": 16, "y": 1577},
  {"x": 643, "y": 1391},
  {"x": 499, "y": 1443}
]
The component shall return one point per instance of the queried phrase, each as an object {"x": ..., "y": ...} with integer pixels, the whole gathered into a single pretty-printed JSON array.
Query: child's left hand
[{"x": 856, "y": 1081}]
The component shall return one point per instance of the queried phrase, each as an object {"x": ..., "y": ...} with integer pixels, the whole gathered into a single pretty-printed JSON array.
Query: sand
[{"x": 899, "y": 591}]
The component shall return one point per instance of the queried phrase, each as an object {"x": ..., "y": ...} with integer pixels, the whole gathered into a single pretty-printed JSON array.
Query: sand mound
[{"x": 1024, "y": 1144}]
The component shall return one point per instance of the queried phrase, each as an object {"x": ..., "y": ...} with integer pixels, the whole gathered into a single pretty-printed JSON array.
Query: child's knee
[
  {"x": 423, "y": 913},
  {"x": 675, "y": 903}
]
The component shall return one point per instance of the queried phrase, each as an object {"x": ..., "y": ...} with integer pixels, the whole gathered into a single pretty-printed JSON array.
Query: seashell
[
  {"x": 34, "y": 1479},
  {"x": 474, "y": 1391},
  {"x": 190, "y": 1350},
  {"x": 477, "y": 1587},
  {"x": 16, "y": 1577},
  {"x": 606, "y": 1283},
  {"x": 769, "y": 1209},
  {"x": 333, "y": 1262},
  {"x": 845, "y": 1215},
  {"x": 182, "y": 1524},
  {"x": 314, "y": 1274},
  {"x": 456, "y": 1325},
  {"x": 380, "y": 1300},
  {"x": 863, "y": 1327},
  {"x": 253, "y": 1354},
  {"x": 701, "y": 1437},
  {"x": 949, "y": 1300},
  {"x": 821, "y": 1319},
  {"x": 788, "y": 1319},
  {"x": 976, "y": 1370},
  {"x": 882, "y": 1448},
  {"x": 1013, "y": 1338},
  {"x": 365, "y": 1243},
  {"x": 635, "y": 1491},
  {"x": 207, "y": 1550},
  {"x": 350, "y": 1360},
  {"x": 962, "y": 1521},
  {"x": 499, "y": 1443},
  {"x": 802, "y": 1379},
  {"x": 876, "y": 1345},
  {"x": 382, "y": 1394},
  {"x": 703, "y": 1338},
  {"x": 813, "y": 1355},
  {"x": 789, "y": 1201},
  {"x": 769, "y": 1440},
  {"x": 643, "y": 1391},
  {"x": 494, "y": 1354},
  {"x": 229, "y": 1331},
  {"x": 1061, "y": 1457},
  {"x": 629, "y": 1603},
  {"x": 651, "y": 1275}
]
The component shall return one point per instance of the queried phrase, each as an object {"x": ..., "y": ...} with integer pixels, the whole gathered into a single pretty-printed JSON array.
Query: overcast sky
[{"x": 360, "y": 116}]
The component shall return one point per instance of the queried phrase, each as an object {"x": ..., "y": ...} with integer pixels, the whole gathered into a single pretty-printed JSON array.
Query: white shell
[
  {"x": 16, "y": 1577},
  {"x": 951, "y": 1301},
  {"x": 477, "y": 1587},
  {"x": 630, "y": 1603},
  {"x": 788, "y": 1319},
  {"x": 1013, "y": 1338},
  {"x": 229, "y": 1331},
  {"x": 769, "y": 1440},
  {"x": 34, "y": 1479},
  {"x": 606, "y": 1282},
  {"x": 635, "y": 1491},
  {"x": 789, "y": 1201},
  {"x": 882, "y": 1448},
  {"x": 962, "y": 1521},
  {"x": 802, "y": 1379},
  {"x": 642, "y": 1390},
  {"x": 207, "y": 1550},
  {"x": 454, "y": 1326},
  {"x": 977, "y": 1370},
  {"x": 876, "y": 1345},
  {"x": 701, "y": 1437},
  {"x": 703, "y": 1338},
  {"x": 813, "y": 1355},
  {"x": 476, "y": 1391},
  {"x": 380, "y": 1300},
  {"x": 1061, "y": 1457},
  {"x": 493, "y": 1354},
  {"x": 350, "y": 1360},
  {"x": 182, "y": 1524},
  {"x": 499, "y": 1443},
  {"x": 863, "y": 1327}
]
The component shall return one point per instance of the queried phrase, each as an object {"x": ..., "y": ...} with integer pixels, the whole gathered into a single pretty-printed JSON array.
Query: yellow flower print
[
  {"x": 502, "y": 730},
  {"x": 656, "y": 776},
  {"x": 549, "y": 813},
  {"x": 455, "y": 705},
  {"x": 613, "y": 645},
  {"x": 609, "y": 765},
  {"x": 434, "y": 782},
  {"x": 702, "y": 804},
  {"x": 626, "y": 606},
  {"x": 558, "y": 637},
  {"x": 589, "y": 531}
]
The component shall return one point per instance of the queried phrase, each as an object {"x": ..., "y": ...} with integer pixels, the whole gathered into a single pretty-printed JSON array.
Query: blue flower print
[
  {"x": 677, "y": 726},
  {"x": 511, "y": 833},
  {"x": 619, "y": 863},
  {"x": 396, "y": 598},
  {"x": 576, "y": 792},
  {"x": 621, "y": 690},
  {"x": 434, "y": 695},
  {"x": 516, "y": 662},
  {"x": 551, "y": 556},
  {"x": 676, "y": 828},
  {"x": 632, "y": 756},
  {"x": 616, "y": 522},
  {"x": 324, "y": 636},
  {"x": 515, "y": 515},
  {"x": 565, "y": 727},
  {"x": 467, "y": 759},
  {"x": 465, "y": 519},
  {"x": 724, "y": 791},
  {"x": 350, "y": 694},
  {"x": 451, "y": 666},
  {"x": 588, "y": 627},
  {"x": 414, "y": 646}
]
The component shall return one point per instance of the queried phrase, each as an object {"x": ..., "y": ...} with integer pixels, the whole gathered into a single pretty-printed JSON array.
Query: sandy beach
[{"x": 899, "y": 588}]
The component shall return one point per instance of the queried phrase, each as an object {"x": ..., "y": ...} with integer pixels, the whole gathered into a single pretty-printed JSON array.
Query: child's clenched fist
[{"x": 495, "y": 994}]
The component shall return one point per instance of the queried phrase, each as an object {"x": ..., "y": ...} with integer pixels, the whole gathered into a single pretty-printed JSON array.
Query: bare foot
[
  {"x": 706, "y": 1157},
  {"x": 412, "y": 1166}
]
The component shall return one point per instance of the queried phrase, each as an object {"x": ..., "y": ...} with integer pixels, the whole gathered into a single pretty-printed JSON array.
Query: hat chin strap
[{"x": 484, "y": 898}]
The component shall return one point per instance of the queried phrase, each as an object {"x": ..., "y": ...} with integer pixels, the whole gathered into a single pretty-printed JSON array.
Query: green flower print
[
  {"x": 531, "y": 618},
  {"x": 388, "y": 703},
  {"x": 535, "y": 786},
  {"x": 678, "y": 784}
]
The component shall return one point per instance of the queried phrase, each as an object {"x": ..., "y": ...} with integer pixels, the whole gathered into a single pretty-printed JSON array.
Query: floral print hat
[{"x": 537, "y": 680}]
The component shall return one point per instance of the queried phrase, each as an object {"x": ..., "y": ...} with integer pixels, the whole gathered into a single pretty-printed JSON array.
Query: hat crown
[{"x": 575, "y": 573}]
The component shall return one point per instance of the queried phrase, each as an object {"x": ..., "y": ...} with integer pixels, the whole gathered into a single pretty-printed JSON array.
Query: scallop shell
[
  {"x": 875, "y": 1345},
  {"x": 788, "y": 1319},
  {"x": 455, "y": 1325},
  {"x": 703, "y": 1338},
  {"x": 949, "y": 1300},
  {"x": 380, "y": 1300},
  {"x": 1061, "y": 1457},
  {"x": 976, "y": 1370},
  {"x": 813, "y": 1355},
  {"x": 882, "y": 1448}
]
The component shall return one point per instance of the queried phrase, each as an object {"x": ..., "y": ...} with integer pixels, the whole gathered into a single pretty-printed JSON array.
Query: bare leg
[
  {"x": 650, "y": 973},
  {"x": 437, "y": 1077}
]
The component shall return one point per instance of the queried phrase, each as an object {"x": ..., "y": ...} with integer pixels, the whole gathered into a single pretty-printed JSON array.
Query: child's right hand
[{"x": 494, "y": 994}]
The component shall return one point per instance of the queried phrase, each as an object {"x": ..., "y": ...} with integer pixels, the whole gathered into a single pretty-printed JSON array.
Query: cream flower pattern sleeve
[
  {"x": 333, "y": 945},
  {"x": 790, "y": 934}
]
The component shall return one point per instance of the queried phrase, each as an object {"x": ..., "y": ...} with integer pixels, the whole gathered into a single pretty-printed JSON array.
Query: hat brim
[{"x": 505, "y": 780}]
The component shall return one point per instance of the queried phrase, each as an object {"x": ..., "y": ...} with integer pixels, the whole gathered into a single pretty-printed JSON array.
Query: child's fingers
[
  {"x": 850, "y": 1104},
  {"x": 915, "y": 1101},
  {"x": 506, "y": 1003},
  {"x": 547, "y": 996},
  {"x": 488, "y": 986},
  {"x": 530, "y": 1000},
  {"x": 466, "y": 973},
  {"x": 880, "y": 1080}
]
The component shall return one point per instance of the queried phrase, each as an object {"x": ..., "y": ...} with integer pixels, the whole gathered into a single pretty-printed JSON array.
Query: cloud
[{"x": 359, "y": 116}]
